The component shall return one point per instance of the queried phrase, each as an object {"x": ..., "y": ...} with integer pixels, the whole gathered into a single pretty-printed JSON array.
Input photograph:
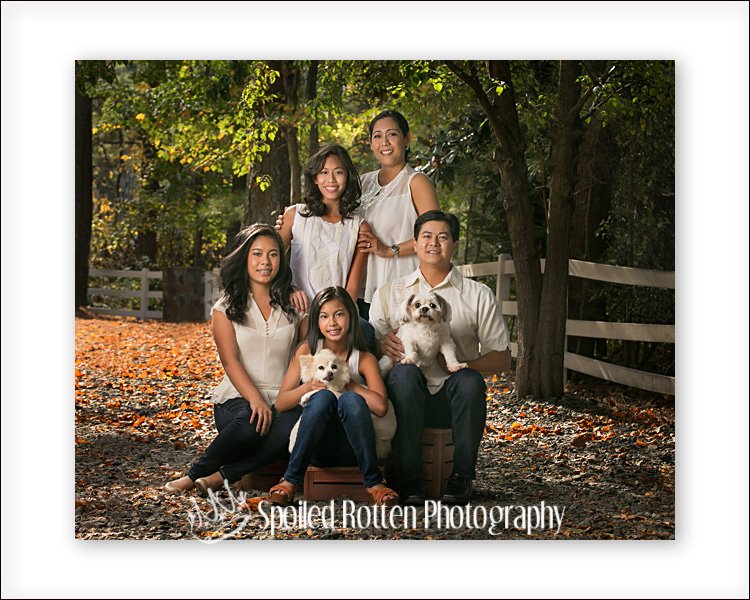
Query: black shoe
[
  {"x": 412, "y": 495},
  {"x": 457, "y": 490}
]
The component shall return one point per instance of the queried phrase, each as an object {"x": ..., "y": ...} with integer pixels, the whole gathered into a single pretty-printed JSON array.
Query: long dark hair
[
  {"x": 349, "y": 201},
  {"x": 401, "y": 121},
  {"x": 354, "y": 337},
  {"x": 234, "y": 278}
]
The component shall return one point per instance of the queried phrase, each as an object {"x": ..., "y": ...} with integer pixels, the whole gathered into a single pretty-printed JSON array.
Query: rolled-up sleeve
[{"x": 491, "y": 330}]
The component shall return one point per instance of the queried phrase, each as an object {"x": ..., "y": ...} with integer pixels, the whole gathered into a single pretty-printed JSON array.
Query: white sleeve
[
  {"x": 380, "y": 310},
  {"x": 491, "y": 330}
]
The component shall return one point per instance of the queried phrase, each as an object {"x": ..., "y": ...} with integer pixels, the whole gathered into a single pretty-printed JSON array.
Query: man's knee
[
  {"x": 404, "y": 376},
  {"x": 468, "y": 386}
]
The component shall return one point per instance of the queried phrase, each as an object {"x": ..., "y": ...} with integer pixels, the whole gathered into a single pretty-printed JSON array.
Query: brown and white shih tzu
[{"x": 425, "y": 332}]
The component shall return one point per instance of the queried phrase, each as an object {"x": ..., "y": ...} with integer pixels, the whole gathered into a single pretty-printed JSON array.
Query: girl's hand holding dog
[{"x": 261, "y": 415}]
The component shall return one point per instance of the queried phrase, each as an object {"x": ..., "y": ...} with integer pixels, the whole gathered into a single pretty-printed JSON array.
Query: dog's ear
[
  {"x": 445, "y": 308},
  {"x": 306, "y": 366},
  {"x": 405, "y": 315}
]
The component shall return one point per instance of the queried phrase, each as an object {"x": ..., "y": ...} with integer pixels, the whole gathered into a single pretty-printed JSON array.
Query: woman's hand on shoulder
[{"x": 299, "y": 301}]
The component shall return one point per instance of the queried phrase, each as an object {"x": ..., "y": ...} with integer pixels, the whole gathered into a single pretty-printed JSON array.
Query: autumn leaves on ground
[{"x": 605, "y": 453}]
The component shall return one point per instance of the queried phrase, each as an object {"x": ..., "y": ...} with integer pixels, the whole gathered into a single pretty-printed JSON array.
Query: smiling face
[
  {"x": 333, "y": 321},
  {"x": 263, "y": 260},
  {"x": 388, "y": 143},
  {"x": 434, "y": 244},
  {"x": 331, "y": 179}
]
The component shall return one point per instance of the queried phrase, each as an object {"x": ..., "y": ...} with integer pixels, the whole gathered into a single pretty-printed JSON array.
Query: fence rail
[
  {"x": 143, "y": 293},
  {"x": 504, "y": 269}
]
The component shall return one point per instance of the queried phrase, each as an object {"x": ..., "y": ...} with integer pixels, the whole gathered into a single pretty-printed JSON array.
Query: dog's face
[
  {"x": 426, "y": 309},
  {"x": 325, "y": 367}
]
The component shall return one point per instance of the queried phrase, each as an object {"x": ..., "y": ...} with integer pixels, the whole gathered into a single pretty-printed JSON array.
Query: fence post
[{"x": 144, "y": 293}]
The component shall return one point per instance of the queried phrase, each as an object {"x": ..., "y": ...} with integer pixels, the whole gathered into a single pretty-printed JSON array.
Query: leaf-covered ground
[{"x": 603, "y": 453}]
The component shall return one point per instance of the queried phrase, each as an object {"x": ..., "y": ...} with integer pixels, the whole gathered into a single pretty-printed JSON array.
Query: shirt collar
[{"x": 453, "y": 278}]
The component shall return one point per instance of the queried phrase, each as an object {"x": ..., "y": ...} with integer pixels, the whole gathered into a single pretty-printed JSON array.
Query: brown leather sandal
[
  {"x": 382, "y": 496},
  {"x": 282, "y": 494}
]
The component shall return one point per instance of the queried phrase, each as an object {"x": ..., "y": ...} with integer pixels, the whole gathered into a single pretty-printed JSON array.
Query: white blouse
[
  {"x": 390, "y": 211},
  {"x": 322, "y": 252},
  {"x": 265, "y": 347}
]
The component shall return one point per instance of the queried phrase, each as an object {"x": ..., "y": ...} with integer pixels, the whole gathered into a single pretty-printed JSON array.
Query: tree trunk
[
  {"x": 592, "y": 202},
  {"x": 290, "y": 76},
  {"x": 84, "y": 195},
  {"x": 273, "y": 170},
  {"x": 517, "y": 204},
  {"x": 269, "y": 182},
  {"x": 547, "y": 363},
  {"x": 311, "y": 92}
]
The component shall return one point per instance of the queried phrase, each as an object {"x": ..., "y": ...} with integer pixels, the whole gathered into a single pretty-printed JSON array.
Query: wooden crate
[
  {"x": 265, "y": 477},
  {"x": 334, "y": 482},
  {"x": 324, "y": 483},
  {"x": 437, "y": 460}
]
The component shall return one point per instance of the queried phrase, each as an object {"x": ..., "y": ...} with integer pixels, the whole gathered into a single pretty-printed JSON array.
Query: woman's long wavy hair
[
  {"x": 235, "y": 281},
  {"x": 354, "y": 338},
  {"x": 349, "y": 201}
]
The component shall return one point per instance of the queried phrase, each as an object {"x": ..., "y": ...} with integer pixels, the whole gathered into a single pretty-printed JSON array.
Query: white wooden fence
[
  {"x": 143, "y": 293},
  {"x": 504, "y": 269}
]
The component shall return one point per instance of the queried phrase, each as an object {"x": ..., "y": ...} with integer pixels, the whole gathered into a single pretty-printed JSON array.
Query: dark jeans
[
  {"x": 335, "y": 433},
  {"x": 238, "y": 448},
  {"x": 368, "y": 333},
  {"x": 460, "y": 404}
]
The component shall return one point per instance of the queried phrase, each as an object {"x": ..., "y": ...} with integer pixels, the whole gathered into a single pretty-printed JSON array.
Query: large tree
[{"x": 542, "y": 298}]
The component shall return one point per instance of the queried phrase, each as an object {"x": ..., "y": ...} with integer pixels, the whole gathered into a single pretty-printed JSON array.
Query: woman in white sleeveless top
[
  {"x": 256, "y": 330},
  {"x": 392, "y": 199}
]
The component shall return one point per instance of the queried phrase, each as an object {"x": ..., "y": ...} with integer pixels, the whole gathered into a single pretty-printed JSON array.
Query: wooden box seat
[{"x": 324, "y": 483}]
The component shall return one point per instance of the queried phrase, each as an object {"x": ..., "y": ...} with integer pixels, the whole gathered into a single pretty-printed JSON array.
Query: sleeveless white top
[
  {"x": 322, "y": 252},
  {"x": 390, "y": 212},
  {"x": 265, "y": 347},
  {"x": 353, "y": 363}
]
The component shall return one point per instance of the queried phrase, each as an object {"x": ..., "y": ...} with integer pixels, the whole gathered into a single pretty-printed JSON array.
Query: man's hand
[{"x": 390, "y": 344}]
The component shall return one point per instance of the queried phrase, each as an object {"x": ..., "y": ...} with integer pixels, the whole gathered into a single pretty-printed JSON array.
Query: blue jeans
[
  {"x": 238, "y": 448},
  {"x": 368, "y": 334},
  {"x": 460, "y": 404},
  {"x": 335, "y": 433}
]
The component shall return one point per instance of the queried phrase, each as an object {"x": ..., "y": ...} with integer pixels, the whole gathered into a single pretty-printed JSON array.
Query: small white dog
[
  {"x": 425, "y": 332},
  {"x": 327, "y": 367}
]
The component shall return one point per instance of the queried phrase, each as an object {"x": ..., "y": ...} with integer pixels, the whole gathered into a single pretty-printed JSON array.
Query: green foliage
[{"x": 174, "y": 140}]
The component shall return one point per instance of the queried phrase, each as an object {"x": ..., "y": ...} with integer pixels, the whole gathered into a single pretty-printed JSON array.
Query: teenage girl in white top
[
  {"x": 256, "y": 330},
  {"x": 323, "y": 231}
]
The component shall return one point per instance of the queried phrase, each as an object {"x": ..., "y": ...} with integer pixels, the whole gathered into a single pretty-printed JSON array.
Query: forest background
[{"x": 538, "y": 158}]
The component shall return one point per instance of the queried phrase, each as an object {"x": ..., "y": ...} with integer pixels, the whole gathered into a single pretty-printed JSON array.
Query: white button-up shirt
[{"x": 477, "y": 324}]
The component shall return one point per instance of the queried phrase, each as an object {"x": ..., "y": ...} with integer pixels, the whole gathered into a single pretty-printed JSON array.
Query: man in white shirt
[{"x": 439, "y": 398}]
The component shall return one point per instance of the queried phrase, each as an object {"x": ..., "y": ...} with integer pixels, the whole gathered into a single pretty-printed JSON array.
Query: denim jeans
[
  {"x": 460, "y": 404},
  {"x": 238, "y": 448},
  {"x": 335, "y": 432},
  {"x": 368, "y": 333}
]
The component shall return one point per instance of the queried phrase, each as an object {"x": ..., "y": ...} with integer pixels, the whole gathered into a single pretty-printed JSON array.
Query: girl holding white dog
[
  {"x": 335, "y": 431},
  {"x": 256, "y": 329}
]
